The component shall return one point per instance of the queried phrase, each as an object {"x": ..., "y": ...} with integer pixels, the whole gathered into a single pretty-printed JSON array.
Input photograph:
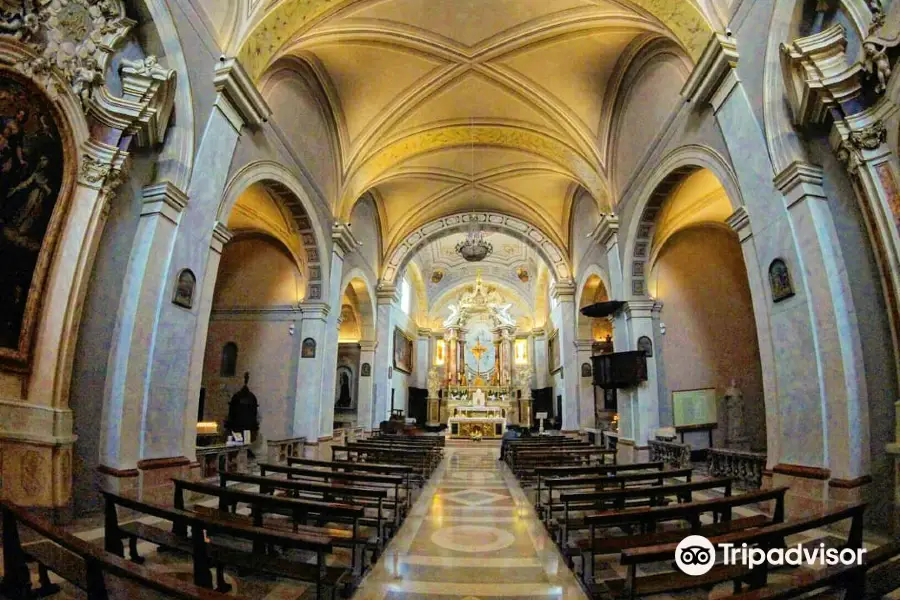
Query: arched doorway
[
  {"x": 356, "y": 353},
  {"x": 594, "y": 336},
  {"x": 269, "y": 272},
  {"x": 695, "y": 267}
]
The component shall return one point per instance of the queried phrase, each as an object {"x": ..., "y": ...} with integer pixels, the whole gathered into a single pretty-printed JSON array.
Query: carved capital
[
  {"x": 103, "y": 167},
  {"x": 851, "y": 146},
  {"x": 739, "y": 222}
]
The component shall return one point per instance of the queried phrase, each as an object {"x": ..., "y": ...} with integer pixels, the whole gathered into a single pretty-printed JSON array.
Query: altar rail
[
  {"x": 745, "y": 467},
  {"x": 278, "y": 451},
  {"x": 678, "y": 456}
]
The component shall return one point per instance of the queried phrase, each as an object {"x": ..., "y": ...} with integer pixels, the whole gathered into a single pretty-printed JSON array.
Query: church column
[
  {"x": 564, "y": 294},
  {"x": 387, "y": 299},
  {"x": 343, "y": 243},
  {"x": 365, "y": 394},
  {"x": 585, "y": 385},
  {"x": 452, "y": 337},
  {"x": 506, "y": 355},
  {"x": 539, "y": 357},
  {"x": 497, "y": 364},
  {"x": 314, "y": 328},
  {"x": 827, "y": 398},
  {"x": 169, "y": 382},
  {"x": 461, "y": 359},
  {"x": 642, "y": 319},
  {"x": 424, "y": 353}
]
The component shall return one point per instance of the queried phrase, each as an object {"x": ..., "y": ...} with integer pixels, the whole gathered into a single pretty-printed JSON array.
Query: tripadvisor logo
[{"x": 695, "y": 555}]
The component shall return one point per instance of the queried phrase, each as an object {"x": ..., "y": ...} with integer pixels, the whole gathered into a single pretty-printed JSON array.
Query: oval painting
[{"x": 31, "y": 177}]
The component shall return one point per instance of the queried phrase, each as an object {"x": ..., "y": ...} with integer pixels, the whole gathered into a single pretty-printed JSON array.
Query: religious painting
[
  {"x": 184, "y": 289},
  {"x": 586, "y": 370},
  {"x": 366, "y": 370},
  {"x": 522, "y": 274},
  {"x": 403, "y": 351},
  {"x": 780, "y": 280},
  {"x": 344, "y": 392},
  {"x": 645, "y": 344},
  {"x": 553, "y": 352},
  {"x": 437, "y": 276},
  {"x": 521, "y": 351},
  {"x": 34, "y": 182},
  {"x": 308, "y": 349}
]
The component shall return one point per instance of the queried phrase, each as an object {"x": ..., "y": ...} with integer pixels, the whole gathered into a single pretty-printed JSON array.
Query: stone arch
[
  {"x": 359, "y": 281},
  {"x": 670, "y": 172},
  {"x": 591, "y": 274},
  {"x": 399, "y": 255},
  {"x": 287, "y": 190}
]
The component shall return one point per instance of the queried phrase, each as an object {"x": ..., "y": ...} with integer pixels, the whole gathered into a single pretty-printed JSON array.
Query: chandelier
[{"x": 474, "y": 248}]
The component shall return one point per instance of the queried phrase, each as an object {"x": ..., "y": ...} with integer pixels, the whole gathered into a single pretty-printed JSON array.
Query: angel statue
[
  {"x": 453, "y": 319},
  {"x": 501, "y": 311},
  {"x": 876, "y": 63}
]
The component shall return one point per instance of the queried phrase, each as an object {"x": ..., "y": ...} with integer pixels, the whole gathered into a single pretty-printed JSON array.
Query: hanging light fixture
[{"x": 474, "y": 248}]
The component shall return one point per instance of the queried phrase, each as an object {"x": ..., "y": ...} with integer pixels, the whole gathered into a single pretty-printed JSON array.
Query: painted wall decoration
[
  {"x": 35, "y": 181},
  {"x": 185, "y": 284},
  {"x": 586, "y": 370},
  {"x": 436, "y": 276},
  {"x": 403, "y": 352},
  {"x": 308, "y": 349},
  {"x": 345, "y": 388},
  {"x": 780, "y": 280},
  {"x": 366, "y": 370},
  {"x": 646, "y": 344}
]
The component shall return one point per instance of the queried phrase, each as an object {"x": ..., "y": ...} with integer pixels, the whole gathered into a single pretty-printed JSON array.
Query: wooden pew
[
  {"x": 872, "y": 580},
  {"x": 645, "y": 520},
  {"x": 374, "y": 498},
  {"x": 596, "y": 470},
  {"x": 419, "y": 461},
  {"x": 525, "y": 462},
  {"x": 619, "y": 499},
  {"x": 208, "y": 554},
  {"x": 100, "y": 574},
  {"x": 301, "y": 511},
  {"x": 772, "y": 536},
  {"x": 649, "y": 478},
  {"x": 343, "y": 466}
]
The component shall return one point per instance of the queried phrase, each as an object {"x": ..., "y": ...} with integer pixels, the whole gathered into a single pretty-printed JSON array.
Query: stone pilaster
[
  {"x": 387, "y": 300},
  {"x": 564, "y": 293},
  {"x": 365, "y": 401}
]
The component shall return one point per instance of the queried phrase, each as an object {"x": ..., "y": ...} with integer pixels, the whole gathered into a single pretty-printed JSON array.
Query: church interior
[{"x": 449, "y": 299}]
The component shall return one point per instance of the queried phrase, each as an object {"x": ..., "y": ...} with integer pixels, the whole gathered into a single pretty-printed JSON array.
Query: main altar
[{"x": 481, "y": 380}]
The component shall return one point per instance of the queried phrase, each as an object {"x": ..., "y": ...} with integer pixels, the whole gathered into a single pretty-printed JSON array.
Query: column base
[
  {"x": 627, "y": 452},
  {"x": 38, "y": 474},
  {"x": 808, "y": 493},
  {"x": 155, "y": 477}
]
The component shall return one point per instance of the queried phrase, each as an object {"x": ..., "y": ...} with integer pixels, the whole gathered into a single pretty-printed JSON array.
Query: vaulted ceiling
[{"x": 445, "y": 106}]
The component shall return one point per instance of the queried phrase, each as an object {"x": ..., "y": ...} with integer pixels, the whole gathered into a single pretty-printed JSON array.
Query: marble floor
[{"x": 471, "y": 534}]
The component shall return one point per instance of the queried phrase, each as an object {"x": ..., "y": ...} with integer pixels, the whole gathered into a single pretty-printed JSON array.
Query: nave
[{"x": 473, "y": 533}]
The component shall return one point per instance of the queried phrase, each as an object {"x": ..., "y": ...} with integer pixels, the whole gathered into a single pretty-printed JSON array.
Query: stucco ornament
[
  {"x": 869, "y": 138},
  {"x": 75, "y": 37}
]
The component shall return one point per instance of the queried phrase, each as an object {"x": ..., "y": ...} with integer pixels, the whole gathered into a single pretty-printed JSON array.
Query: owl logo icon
[{"x": 695, "y": 555}]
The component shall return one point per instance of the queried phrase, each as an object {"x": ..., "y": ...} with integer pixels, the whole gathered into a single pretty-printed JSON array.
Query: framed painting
[
  {"x": 36, "y": 181},
  {"x": 553, "y": 355},
  {"x": 403, "y": 352}
]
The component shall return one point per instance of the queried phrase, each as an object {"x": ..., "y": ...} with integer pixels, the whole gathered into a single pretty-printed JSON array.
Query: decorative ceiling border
[{"x": 401, "y": 254}]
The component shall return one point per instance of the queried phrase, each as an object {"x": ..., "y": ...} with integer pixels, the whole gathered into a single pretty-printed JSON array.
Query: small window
[{"x": 229, "y": 360}]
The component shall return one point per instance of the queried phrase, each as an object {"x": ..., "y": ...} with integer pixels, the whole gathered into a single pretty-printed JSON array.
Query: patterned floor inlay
[{"x": 472, "y": 535}]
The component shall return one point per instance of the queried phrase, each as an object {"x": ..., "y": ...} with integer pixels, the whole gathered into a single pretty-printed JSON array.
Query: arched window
[
  {"x": 229, "y": 360},
  {"x": 405, "y": 295}
]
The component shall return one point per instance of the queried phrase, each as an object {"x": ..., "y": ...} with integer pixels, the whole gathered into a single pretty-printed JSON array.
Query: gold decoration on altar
[{"x": 478, "y": 350}]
